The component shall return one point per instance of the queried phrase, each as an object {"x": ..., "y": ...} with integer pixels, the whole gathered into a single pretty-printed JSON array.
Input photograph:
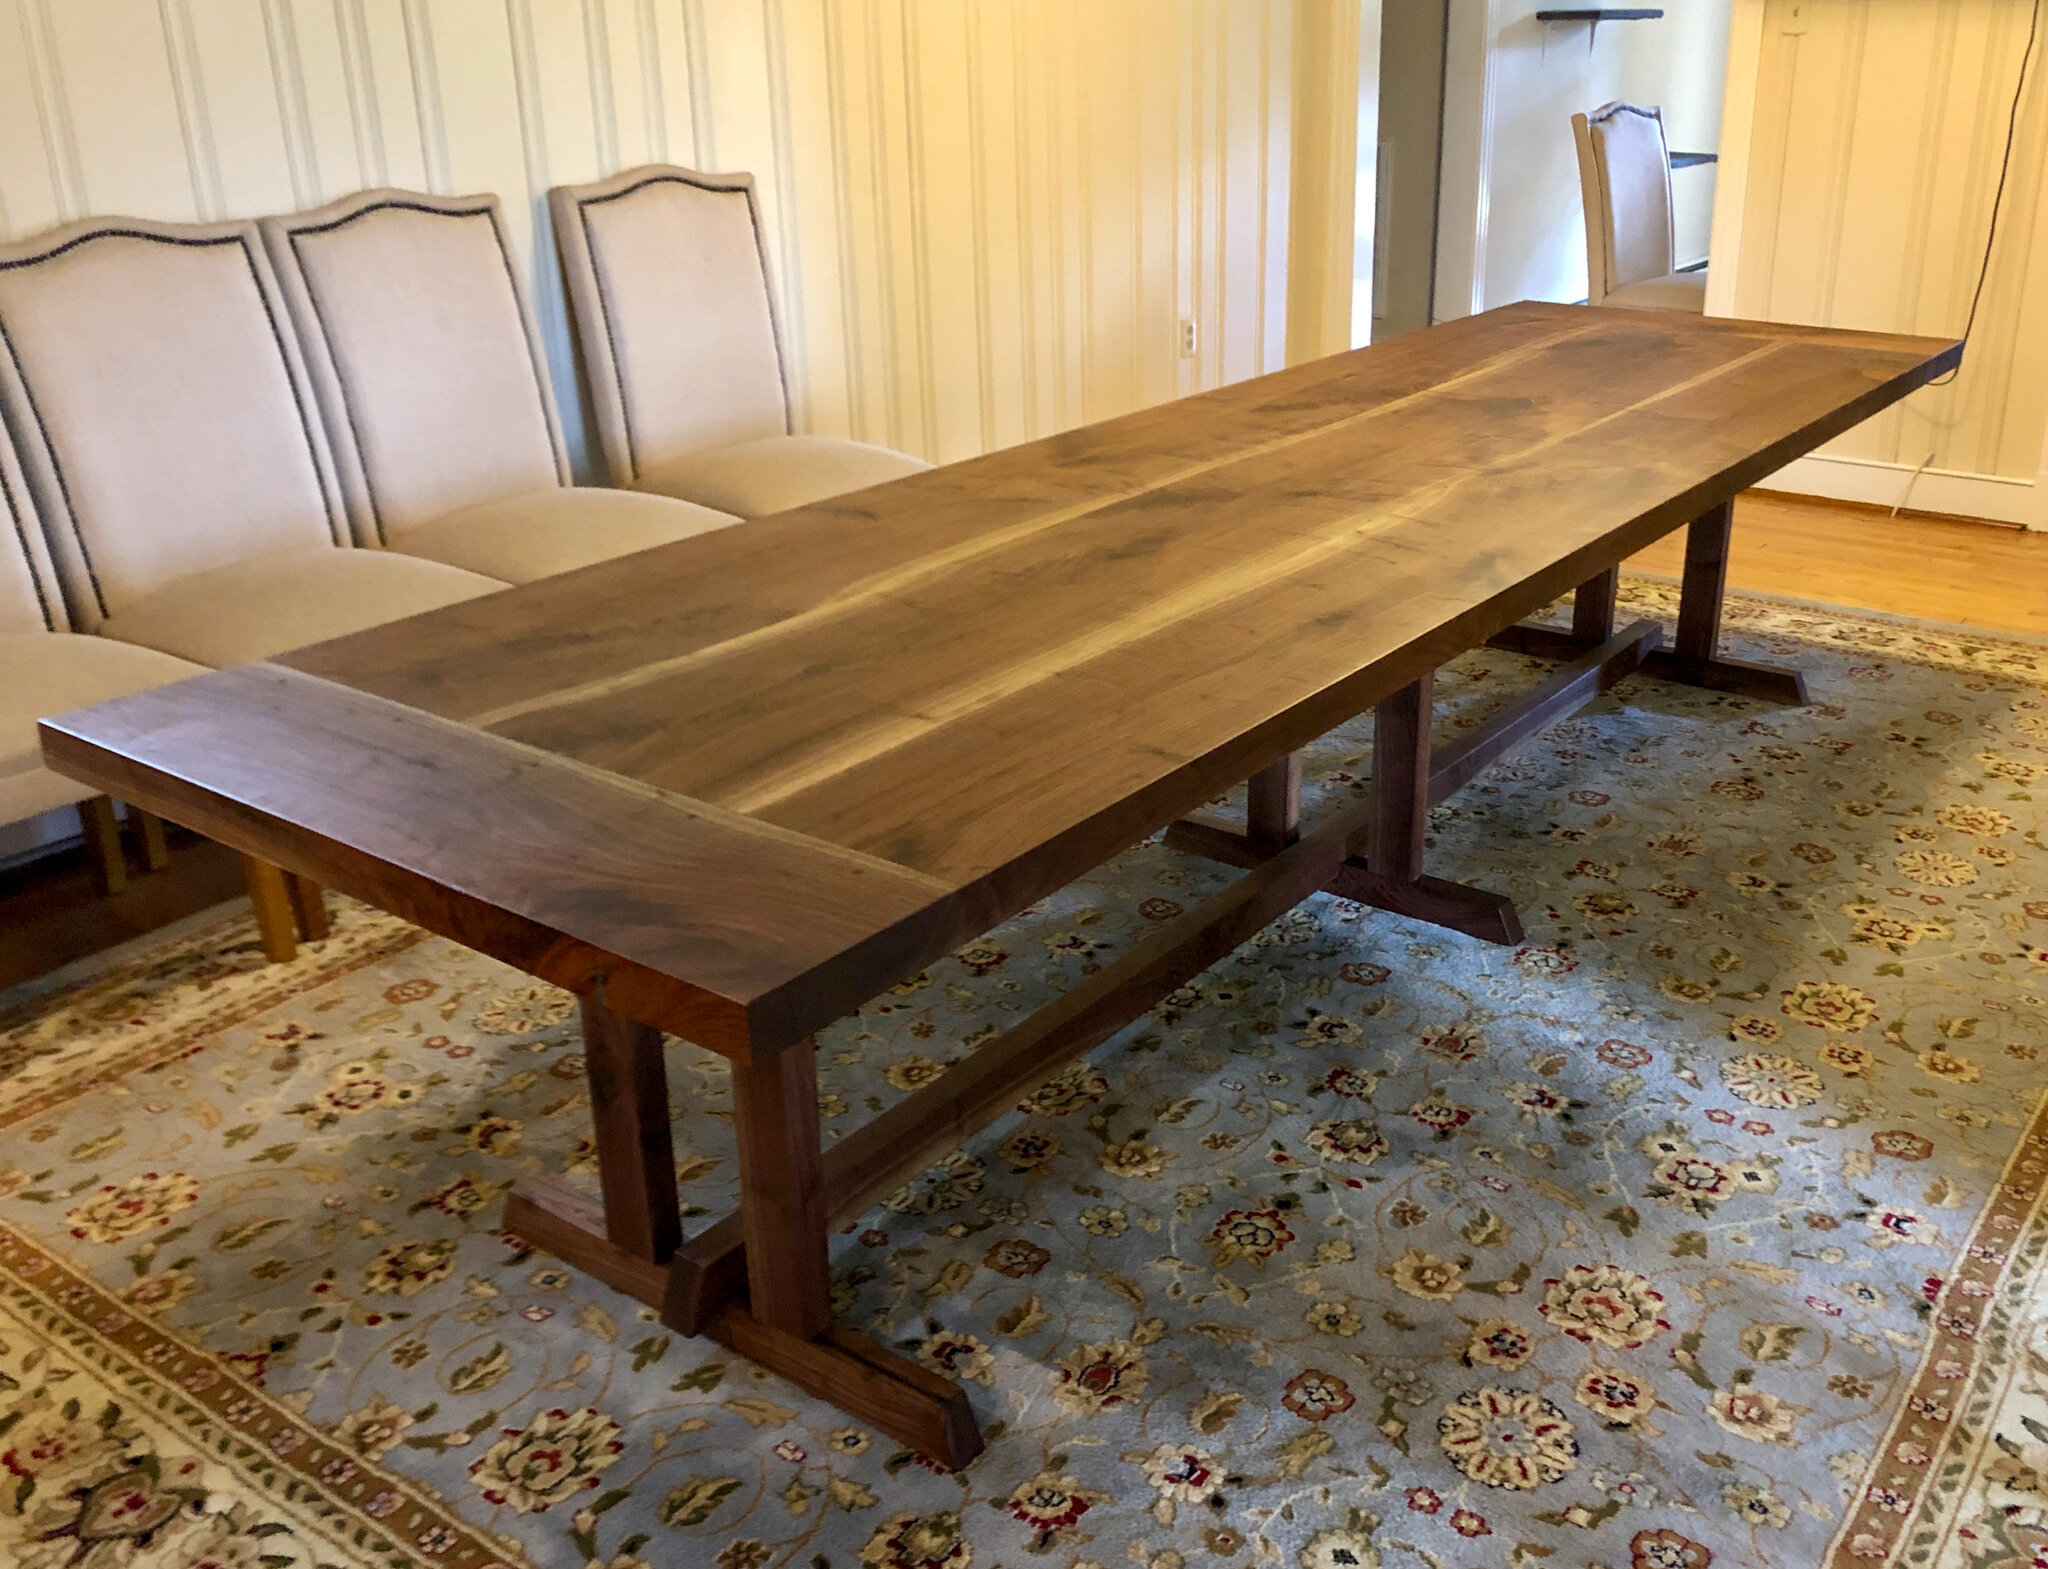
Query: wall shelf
[{"x": 1593, "y": 16}]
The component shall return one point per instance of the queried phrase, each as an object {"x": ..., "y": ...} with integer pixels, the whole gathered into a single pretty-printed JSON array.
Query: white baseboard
[{"x": 1881, "y": 484}]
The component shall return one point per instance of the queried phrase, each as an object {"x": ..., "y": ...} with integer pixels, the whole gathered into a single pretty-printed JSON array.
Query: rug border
[
  {"x": 269, "y": 1445},
  {"x": 1883, "y": 1512}
]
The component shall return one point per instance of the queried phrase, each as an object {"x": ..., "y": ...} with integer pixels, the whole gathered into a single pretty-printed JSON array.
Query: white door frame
[
  {"x": 1465, "y": 174},
  {"x": 1464, "y": 170},
  {"x": 1731, "y": 174}
]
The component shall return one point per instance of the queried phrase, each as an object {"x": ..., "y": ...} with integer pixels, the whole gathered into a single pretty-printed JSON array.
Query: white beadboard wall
[
  {"x": 1860, "y": 153},
  {"x": 987, "y": 220}
]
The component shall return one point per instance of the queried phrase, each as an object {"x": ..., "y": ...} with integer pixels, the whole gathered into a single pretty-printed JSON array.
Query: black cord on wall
[{"x": 2012, "y": 121}]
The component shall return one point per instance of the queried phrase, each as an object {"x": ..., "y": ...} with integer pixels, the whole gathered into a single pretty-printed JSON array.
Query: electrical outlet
[{"x": 1190, "y": 338}]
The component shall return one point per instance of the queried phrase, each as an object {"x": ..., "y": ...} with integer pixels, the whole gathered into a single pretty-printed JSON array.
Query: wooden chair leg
[
  {"x": 149, "y": 829},
  {"x": 309, "y": 907},
  {"x": 782, "y": 1191},
  {"x": 103, "y": 839},
  {"x": 272, "y": 899}
]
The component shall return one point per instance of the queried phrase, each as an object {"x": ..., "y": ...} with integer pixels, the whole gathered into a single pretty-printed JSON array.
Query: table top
[{"x": 754, "y": 776}]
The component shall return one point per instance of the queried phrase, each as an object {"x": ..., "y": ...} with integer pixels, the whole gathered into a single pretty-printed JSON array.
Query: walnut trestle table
[{"x": 734, "y": 787}]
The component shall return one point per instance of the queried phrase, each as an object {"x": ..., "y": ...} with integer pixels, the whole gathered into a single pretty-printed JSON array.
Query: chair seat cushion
[
  {"x": 538, "y": 533},
  {"x": 775, "y": 473},
  {"x": 1675, "y": 291},
  {"x": 53, "y": 673},
  {"x": 253, "y": 609}
]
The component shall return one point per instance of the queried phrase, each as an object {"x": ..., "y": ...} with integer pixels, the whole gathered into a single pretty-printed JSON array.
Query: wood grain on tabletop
[
  {"x": 784, "y": 763},
  {"x": 954, "y": 671},
  {"x": 570, "y": 874}
]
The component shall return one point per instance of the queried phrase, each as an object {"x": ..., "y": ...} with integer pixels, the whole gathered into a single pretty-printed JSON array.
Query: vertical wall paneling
[
  {"x": 423, "y": 67},
  {"x": 1863, "y": 154},
  {"x": 32, "y": 180},
  {"x": 390, "y": 89},
  {"x": 307, "y": 53},
  {"x": 985, "y": 221},
  {"x": 114, "y": 99}
]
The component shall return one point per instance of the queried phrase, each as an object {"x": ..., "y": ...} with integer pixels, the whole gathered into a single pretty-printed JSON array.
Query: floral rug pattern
[{"x": 1706, "y": 1227}]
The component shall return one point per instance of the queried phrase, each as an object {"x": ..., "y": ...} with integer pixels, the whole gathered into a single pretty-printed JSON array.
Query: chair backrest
[
  {"x": 1625, "y": 178},
  {"x": 675, "y": 321},
  {"x": 150, "y": 379},
  {"x": 428, "y": 369},
  {"x": 29, "y": 601}
]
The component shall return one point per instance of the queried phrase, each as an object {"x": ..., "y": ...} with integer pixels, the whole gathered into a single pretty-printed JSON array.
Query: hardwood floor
[
  {"x": 1939, "y": 569},
  {"x": 1974, "y": 574},
  {"x": 51, "y": 911}
]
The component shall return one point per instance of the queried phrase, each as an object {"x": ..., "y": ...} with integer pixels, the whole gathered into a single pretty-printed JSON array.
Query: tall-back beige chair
[
  {"x": 171, "y": 445},
  {"x": 169, "y": 442},
  {"x": 48, "y": 669},
  {"x": 676, "y": 328},
  {"x": 434, "y": 391},
  {"x": 1625, "y": 179}
]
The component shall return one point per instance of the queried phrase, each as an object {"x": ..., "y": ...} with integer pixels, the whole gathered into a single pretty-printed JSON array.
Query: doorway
[{"x": 1412, "y": 37}]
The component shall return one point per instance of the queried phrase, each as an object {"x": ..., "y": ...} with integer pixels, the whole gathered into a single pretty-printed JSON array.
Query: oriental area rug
[{"x": 1707, "y": 1227}]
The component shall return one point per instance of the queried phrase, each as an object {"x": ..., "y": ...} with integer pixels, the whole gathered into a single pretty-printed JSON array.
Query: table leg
[
  {"x": 629, "y": 1115},
  {"x": 1694, "y": 657},
  {"x": 1272, "y": 813},
  {"x": 775, "y": 1308},
  {"x": 1391, "y": 875},
  {"x": 1410, "y": 777},
  {"x": 627, "y": 1237},
  {"x": 782, "y": 1195},
  {"x": 1593, "y": 608},
  {"x": 1703, "y": 586},
  {"x": 786, "y": 1322},
  {"x": 1273, "y": 806},
  {"x": 1400, "y": 777}
]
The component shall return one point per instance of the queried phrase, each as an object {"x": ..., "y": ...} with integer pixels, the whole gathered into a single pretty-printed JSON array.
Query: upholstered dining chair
[
  {"x": 51, "y": 669},
  {"x": 676, "y": 328},
  {"x": 168, "y": 433},
  {"x": 1625, "y": 179},
  {"x": 434, "y": 390}
]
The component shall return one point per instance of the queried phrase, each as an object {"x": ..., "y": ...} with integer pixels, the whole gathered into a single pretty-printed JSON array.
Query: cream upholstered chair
[
  {"x": 48, "y": 669},
  {"x": 168, "y": 434},
  {"x": 188, "y": 501},
  {"x": 435, "y": 393},
  {"x": 675, "y": 325},
  {"x": 1625, "y": 178}
]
